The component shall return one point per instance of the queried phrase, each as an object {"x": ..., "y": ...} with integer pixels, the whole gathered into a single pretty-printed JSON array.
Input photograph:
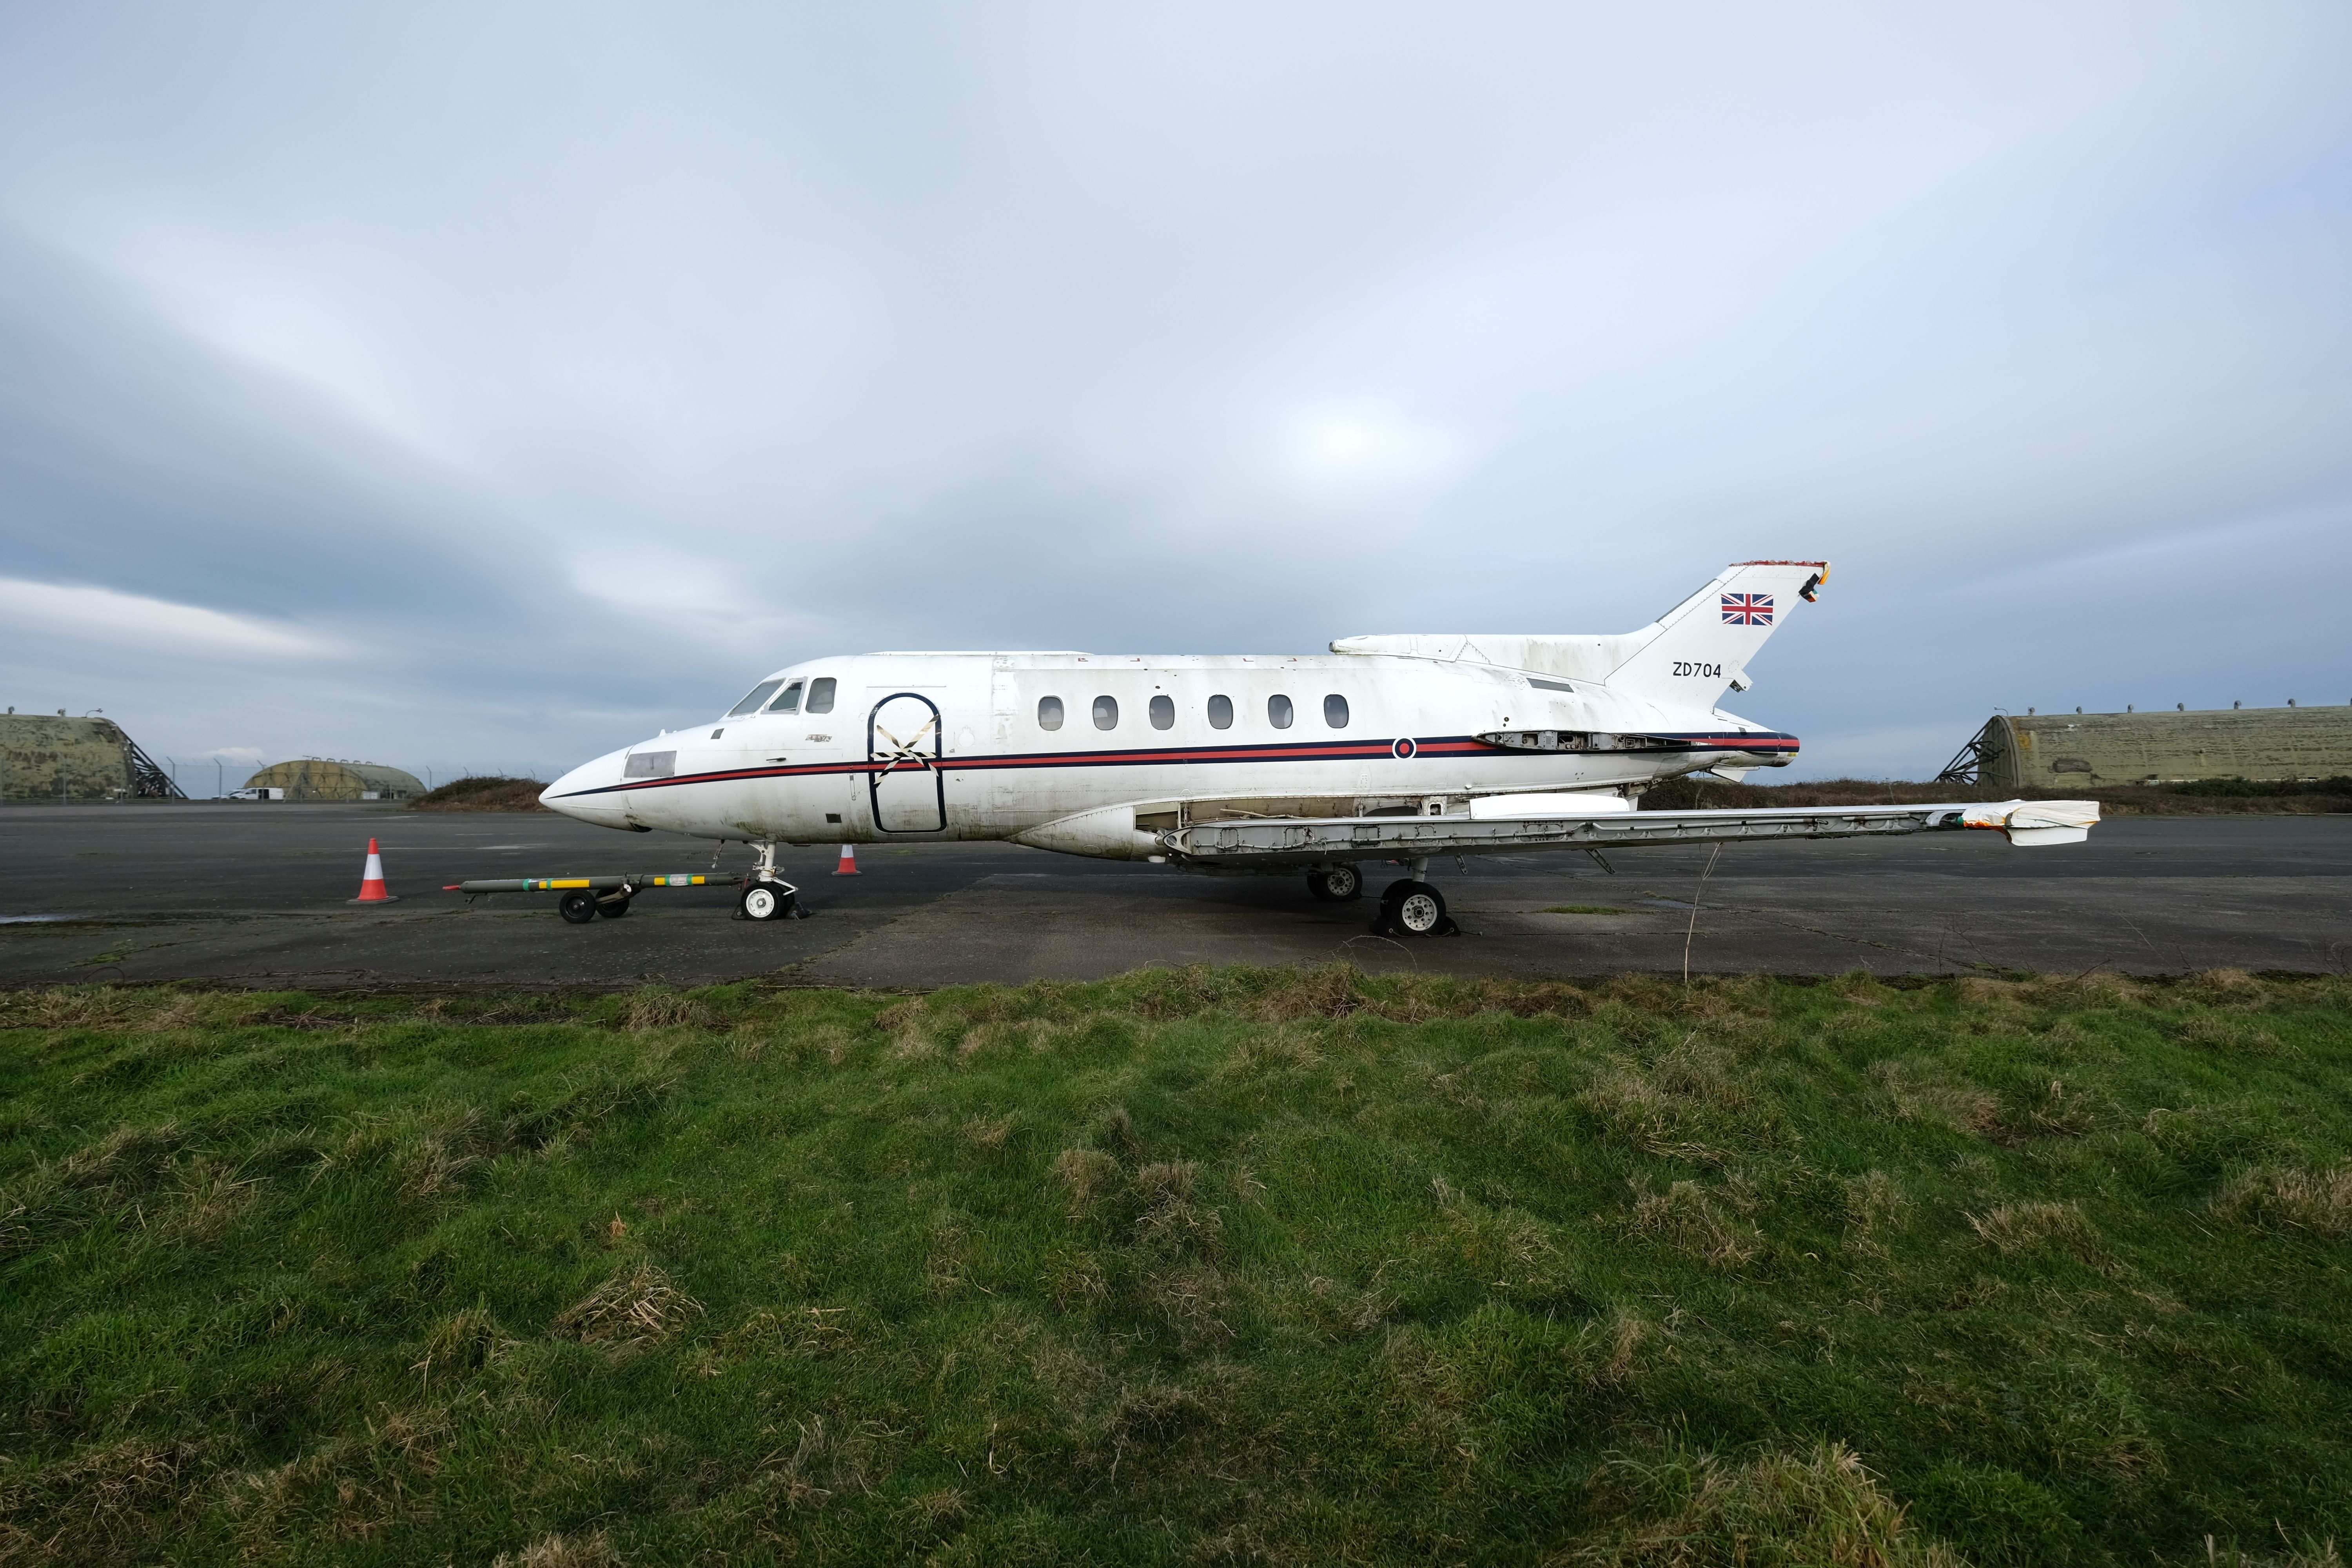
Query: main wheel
[
  {"x": 613, "y": 909},
  {"x": 577, "y": 905},
  {"x": 1336, "y": 884},
  {"x": 1414, "y": 909},
  {"x": 762, "y": 902}
]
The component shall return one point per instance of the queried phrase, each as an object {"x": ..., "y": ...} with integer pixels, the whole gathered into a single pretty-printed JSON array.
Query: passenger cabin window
[
  {"x": 820, "y": 696},
  {"x": 1106, "y": 712},
  {"x": 1163, "y": 713},
  {"x": 1049, "y": 712},
  {"x": 1278, "y": 712},
  {"x": 788, "y": 700},
  {"x": 751, "y": 700},
  {"x": 1221, "y": 713},
  {"x": 1335, "y": 712}
]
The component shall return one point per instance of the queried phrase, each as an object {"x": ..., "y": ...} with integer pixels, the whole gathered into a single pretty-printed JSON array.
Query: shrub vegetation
[
  {"x": 1190, "y": 1266},
  {"x": 482, "y": 791}
]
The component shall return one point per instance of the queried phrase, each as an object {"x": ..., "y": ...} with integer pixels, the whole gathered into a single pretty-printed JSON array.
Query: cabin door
[{"x": 903, "y": 745}]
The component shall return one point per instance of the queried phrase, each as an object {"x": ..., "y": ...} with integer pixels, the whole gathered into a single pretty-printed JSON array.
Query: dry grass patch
[
  {"x": 1171, "y": 1222},
  {"x": 593, "y": 1549},
  {"x": 1921, "y": 1090},
  {"x": 2275, "y": 1197},
  {"x": 636, "y": 1309},
  {"x": 1684, "y": 1216},
  {"x": 2024, "y": 1227},
  {"x": 1087, "y": 1174},
  {"x": 101, "y": 1504},
  {"x": 1684, "y": 1105},
  {"x": 1818, "y": 1510}
]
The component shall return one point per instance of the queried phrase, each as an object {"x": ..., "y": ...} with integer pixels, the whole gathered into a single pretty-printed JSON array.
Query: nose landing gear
[{"x": 767, "y": 896}]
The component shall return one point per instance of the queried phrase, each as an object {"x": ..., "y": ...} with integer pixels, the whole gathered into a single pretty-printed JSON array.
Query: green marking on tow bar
[{"x": 593, "y": 884}]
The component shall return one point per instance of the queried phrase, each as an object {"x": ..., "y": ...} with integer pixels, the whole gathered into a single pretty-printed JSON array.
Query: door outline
[{"x": 881, "y": 746}]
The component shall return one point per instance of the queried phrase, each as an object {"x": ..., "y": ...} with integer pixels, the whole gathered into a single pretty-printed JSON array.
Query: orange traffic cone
[
  {"x": 848, "y": 867},
  {"x": 371, "y": 888}
]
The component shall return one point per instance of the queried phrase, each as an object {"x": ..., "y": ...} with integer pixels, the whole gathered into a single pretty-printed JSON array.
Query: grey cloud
[{"x": 588, "y": 360}]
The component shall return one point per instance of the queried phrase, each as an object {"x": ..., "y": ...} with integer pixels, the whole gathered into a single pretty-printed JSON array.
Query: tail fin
[
  {"x": 1703, "y": 644},
  {"x": 1687, "y": 657}
]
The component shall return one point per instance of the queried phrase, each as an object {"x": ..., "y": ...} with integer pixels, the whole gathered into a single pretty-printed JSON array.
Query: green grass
[{"x": 1189, "y": 1266}]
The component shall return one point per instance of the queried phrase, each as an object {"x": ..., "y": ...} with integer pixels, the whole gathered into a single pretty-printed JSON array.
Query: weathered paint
[
  {"x": 53, "y": 760},
  {"x": 2064, "y": 750}
]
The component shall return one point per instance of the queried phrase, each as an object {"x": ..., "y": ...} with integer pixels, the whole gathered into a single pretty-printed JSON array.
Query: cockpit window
[
  {"x": 820, "y": 696},
  {"x": 788, "y": 700},
  {"x": 751, "y": 703}
]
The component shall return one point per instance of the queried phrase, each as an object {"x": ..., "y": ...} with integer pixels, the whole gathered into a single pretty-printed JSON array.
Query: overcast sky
[{"x": 487, "y": 386}]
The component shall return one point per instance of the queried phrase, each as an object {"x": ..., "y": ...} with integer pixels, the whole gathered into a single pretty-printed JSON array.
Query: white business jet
[{"x": 1391, "y": 749}]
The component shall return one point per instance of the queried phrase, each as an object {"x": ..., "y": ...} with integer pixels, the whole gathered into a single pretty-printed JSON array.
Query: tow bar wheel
[
  {"x": 578, "y": 906},
  {"x": 762, "y": 902}
]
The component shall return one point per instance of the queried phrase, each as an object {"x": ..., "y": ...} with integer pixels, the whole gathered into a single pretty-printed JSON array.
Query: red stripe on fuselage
[{"x": 1306, "y": 751}]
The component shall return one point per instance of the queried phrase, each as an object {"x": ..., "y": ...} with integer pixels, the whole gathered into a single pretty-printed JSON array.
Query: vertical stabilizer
[{"x": 1692, "y": 652}]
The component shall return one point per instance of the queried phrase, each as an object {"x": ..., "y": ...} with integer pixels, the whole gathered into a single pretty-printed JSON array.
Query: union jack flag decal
[{"x": 1748, "y": 609}]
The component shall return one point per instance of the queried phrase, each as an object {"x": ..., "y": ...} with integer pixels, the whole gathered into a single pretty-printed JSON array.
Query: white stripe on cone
[
  {"x": 848, "y": 867},
  {"x": 371, "y": 888}
]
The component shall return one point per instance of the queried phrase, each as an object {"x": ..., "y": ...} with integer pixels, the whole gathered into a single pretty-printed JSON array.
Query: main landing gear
[
  {"x": 1409, "y": 908},
  {"x": 1413, "y": 908},
  {"x": 767, "y": 896},
  {"x": 1336, "y": 884}
]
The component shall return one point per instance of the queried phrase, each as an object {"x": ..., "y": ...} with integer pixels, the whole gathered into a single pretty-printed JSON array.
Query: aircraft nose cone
[{"x": 585, "y": 793}]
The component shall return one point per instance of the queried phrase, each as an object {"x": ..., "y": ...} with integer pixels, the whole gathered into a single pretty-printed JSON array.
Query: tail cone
[
  {"x": 371, "y": 888},
  {"x": 848, "y": 867}
]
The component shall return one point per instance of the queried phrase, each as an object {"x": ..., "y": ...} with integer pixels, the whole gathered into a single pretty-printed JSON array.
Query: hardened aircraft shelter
[{"x": 2068, "y": 751}]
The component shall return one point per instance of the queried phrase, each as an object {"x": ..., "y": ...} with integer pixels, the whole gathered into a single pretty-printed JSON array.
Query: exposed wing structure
[{"x": 1310, "y": 840}]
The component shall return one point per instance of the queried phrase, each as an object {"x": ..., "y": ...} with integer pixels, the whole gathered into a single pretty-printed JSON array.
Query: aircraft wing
[{"x": 1314, "y": 839}]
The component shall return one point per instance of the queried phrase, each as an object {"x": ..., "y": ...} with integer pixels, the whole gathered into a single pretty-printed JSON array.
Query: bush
[{"x": 483, "y": 792}]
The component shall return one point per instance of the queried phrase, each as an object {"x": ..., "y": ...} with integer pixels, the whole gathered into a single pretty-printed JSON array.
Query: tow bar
[{"x": 585, "y": 898}]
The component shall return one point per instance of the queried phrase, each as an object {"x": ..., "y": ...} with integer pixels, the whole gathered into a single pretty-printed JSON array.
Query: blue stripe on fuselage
[{"x": 1287, "y": 751}]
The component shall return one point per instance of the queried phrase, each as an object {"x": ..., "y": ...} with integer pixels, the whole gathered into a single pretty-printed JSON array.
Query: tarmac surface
[{"x": 256, "y": 895}]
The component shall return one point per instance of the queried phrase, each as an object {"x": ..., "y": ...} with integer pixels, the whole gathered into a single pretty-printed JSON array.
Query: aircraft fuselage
[{"x": 929, "y": 746}]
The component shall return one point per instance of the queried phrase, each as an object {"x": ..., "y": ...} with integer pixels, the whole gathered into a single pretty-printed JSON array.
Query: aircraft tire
[
  {"x": 1414, "y": 909},
  {"x": 761, "y": 903},
  {"x": 1336, "y": 884},
  {"x": 578, "y": 906},
  {"x": 613, "y": 909}
]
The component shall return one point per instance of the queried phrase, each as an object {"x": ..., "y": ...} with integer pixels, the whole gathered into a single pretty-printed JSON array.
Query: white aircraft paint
[{"x": 1132, "y": 756}]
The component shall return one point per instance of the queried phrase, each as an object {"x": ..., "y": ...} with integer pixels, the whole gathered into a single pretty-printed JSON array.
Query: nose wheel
[
  {"x": 767, "y": 896},
  {"x": 1412, "y": 907},
  {"x": 770, "y": 901}
]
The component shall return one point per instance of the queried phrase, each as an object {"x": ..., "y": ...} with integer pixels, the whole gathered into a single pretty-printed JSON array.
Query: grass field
[{"x": 1186, "y": 1267}]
